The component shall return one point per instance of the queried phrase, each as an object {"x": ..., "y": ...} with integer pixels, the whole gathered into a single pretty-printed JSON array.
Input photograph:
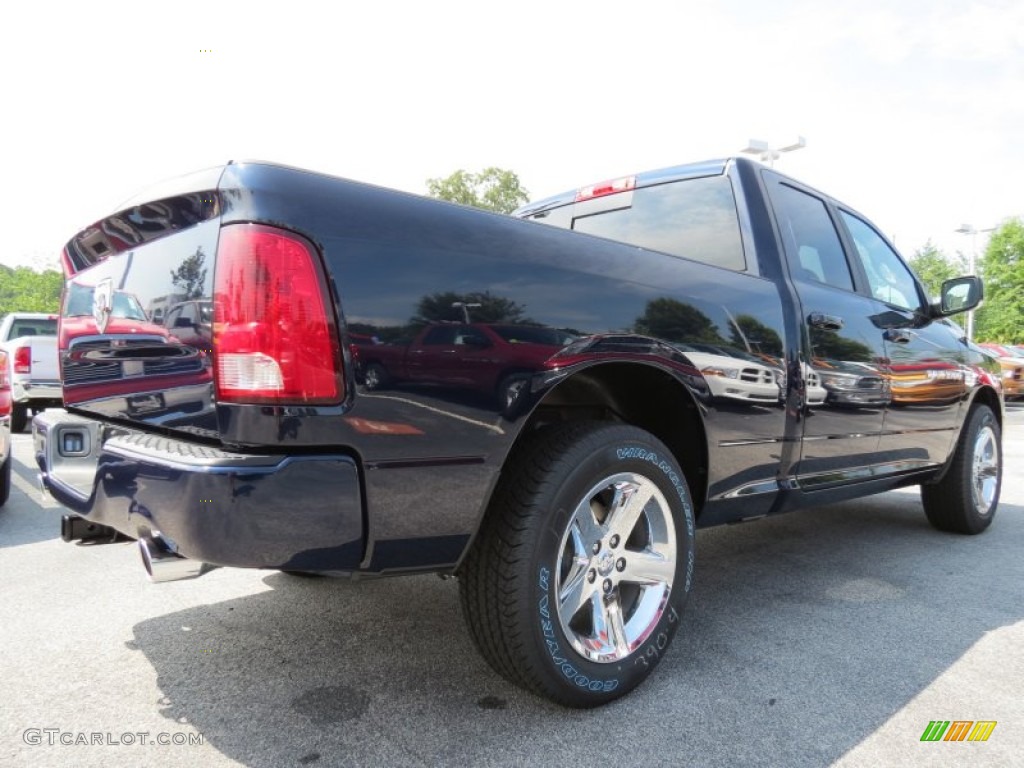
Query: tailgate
[
  {"x": 136, "y": 318},
  {"x": 45, "y": 365}
]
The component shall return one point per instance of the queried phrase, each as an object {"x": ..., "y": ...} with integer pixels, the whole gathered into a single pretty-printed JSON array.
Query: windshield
[{"x": 79, "y": 299}]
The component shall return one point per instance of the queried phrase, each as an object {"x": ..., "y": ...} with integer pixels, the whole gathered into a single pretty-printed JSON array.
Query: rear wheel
[
  {"x": 509, "y": 390},
  {"x": 19, "y": 418},
  {"x": 376, "y": 376},
  {"x": 577, "y": 579},
  {"x": 965, "y": 500}
]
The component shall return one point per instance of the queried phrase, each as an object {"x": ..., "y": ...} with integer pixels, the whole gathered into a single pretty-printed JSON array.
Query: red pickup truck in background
[{"x": 477, "y": 356}]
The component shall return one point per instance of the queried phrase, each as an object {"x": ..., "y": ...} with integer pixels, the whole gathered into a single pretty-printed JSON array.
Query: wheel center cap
[{"x": 605, "y": 563}]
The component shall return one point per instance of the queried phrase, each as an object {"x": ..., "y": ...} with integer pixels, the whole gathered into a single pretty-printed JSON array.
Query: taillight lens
[
  {"x": 274, "y": 337},
  {"x": 23, "y": 360}
]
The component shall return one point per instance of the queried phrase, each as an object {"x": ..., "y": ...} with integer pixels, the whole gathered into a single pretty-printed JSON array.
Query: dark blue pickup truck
[{"x": 732, "y": 344}]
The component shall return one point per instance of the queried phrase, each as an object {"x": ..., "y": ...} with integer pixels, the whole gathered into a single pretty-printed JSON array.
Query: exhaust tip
[{"x": 162, "y": 564}]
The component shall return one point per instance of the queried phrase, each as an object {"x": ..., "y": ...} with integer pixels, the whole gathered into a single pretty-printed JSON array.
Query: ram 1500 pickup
[
  {"x": 567, "y": 507},
  {"x": 30, "y": 341}
]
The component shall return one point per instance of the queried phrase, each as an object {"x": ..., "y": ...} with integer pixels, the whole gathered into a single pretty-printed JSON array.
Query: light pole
[
  {"x": 972, "y": 265},
  {"x": 769, "y": 154},
  {"x": 465, "y": 307}
]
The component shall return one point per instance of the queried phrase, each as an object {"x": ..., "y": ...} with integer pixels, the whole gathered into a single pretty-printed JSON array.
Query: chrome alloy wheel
[
  {"x": 985, "y": 470},
  {"x": 616, "y": 563}
]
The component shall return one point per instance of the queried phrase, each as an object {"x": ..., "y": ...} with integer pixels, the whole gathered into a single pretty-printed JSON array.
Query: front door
[
  {"x": 843, "y": 356},
  {"x": 927, "y": 358}
]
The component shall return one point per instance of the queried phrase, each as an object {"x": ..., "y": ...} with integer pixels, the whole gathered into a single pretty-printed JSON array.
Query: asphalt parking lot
[{"x": 831, "y": 636}]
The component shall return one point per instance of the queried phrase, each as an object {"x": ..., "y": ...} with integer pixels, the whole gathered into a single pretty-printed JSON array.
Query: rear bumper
[
  {"x": 36, "y": 391},
  {"x": 219, "y": 507}
]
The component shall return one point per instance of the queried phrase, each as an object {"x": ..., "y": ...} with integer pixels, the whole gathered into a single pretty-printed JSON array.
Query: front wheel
[
  {"x": 965, "y": 500},
  {"x": 578, "y": 577}
]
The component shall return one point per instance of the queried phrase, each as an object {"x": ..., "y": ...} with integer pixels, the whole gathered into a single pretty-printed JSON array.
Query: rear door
[{"x": 431, "y": 361}]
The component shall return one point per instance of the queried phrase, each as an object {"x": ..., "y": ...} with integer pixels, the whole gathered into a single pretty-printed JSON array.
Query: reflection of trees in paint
[
  {"x": 449, "y": 306},
  {"x": 830, "y": 344},
  {"x": 190, "y": 277},
  {"x": 672, "y": 320},
  {"x": 751, "y": 334}
]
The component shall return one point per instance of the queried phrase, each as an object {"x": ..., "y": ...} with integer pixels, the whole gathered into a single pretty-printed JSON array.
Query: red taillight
[
  {"x": 274, "y": 339},
  {"x": 23, "y": 360},
  {"x": 606, "y": 188}
]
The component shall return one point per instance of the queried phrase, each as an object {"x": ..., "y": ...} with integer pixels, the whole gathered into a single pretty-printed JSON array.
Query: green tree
[
  {"x": 448, "y": 306},
  {"x": 934, "y": 267},
  {"x": 493, "y": 189},
  {"x": 831, "y": 345},
  {"x": 24, "y": 290},
  {"x": 1001, "y": 318},
  {"x": 190, "y": 277},
  {"x": 750, "y": 334}
]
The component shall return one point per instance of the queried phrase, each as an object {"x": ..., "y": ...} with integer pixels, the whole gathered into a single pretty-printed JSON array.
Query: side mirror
[{"x": 959, "y": 295}]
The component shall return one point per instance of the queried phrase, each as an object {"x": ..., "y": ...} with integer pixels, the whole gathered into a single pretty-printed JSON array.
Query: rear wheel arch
[{"x": 642, "y": 395}]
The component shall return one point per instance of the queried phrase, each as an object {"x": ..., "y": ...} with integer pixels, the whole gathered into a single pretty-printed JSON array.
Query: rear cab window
[
  {"x": 691, "y": 218},
  {"x": 33, "y": 327}
]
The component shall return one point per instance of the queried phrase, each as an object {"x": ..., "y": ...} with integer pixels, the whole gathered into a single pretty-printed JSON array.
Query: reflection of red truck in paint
[
  {"x": 102, "y": 372},
  {"x": 124, "y": 316},
  {"x": 480, "y": 356}
]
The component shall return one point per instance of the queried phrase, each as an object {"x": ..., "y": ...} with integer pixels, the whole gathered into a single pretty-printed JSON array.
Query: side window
[
  {"x": 181, "y": 317},
  {"x": 888, "y": 278},
  {"x": 693, "y": 218},
  {"x": 813, "y": 248},
  {"x": 470, "y": 337},
  {"x": 441, "y": 336}
]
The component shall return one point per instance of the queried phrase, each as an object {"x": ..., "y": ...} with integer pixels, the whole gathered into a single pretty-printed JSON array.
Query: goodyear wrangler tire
[
  {"x": 965, "y": 500},
  {"x": 577, "y": 580}
]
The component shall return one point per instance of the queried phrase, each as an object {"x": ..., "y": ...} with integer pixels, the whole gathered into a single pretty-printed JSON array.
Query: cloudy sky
[{"x": 913, "y": 111}]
